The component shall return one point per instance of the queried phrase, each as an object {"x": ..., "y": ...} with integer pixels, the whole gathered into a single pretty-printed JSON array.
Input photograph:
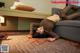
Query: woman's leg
[
  {"x": 73, "y": 16},
  {"x": 66, "y": 9}
]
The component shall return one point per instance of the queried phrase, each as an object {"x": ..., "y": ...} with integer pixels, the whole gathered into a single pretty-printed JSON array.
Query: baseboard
[{"x": 14, "y": 30}]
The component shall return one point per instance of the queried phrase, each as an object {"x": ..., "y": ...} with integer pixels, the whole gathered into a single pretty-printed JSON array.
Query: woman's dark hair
[{"x": 38, "y": 35}]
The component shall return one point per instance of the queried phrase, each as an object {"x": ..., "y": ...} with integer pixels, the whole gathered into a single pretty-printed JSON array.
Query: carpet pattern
[{"x": 26, "y": 44}]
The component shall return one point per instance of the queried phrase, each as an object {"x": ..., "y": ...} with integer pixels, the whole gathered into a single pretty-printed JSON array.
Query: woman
[
  {"x": 47, "y": 25},
  {"x": 46, "y": 28}
]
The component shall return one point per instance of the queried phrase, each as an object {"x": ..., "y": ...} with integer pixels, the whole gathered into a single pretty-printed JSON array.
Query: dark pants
[
  {"x": 71, "y": 12},
  {"x": 38, "y": 35}
]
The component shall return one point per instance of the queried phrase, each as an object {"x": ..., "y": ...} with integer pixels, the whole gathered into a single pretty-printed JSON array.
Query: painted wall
[
  {"x": 11, "y": 24},
  {"x": 8, "y": 3},
  {"x": 42, "y": 6},
  {"x": 24, "y": 23}
]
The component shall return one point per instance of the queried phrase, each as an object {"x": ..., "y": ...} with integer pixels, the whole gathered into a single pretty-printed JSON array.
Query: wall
[
  {"x": 8, "y": 3},
  {"x": 11, "y": 24},
  {"x": 42, "y": 6},
  {"x": 24, "y": 23}
]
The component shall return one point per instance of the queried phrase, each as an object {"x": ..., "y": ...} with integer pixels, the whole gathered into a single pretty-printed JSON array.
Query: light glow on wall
[{"x": 2, "y": 19}]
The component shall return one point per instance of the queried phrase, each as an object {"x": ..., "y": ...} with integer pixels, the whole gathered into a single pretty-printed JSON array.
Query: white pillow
[{"x": 15, "y": 4}]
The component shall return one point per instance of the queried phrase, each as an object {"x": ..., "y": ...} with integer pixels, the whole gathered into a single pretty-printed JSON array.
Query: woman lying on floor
[{"x": 46, "y": 27}]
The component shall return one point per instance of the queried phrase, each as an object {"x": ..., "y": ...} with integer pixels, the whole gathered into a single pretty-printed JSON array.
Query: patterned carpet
[
  {"x": 58, "y": 46},
  {"x": 26, "y": 44}
]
